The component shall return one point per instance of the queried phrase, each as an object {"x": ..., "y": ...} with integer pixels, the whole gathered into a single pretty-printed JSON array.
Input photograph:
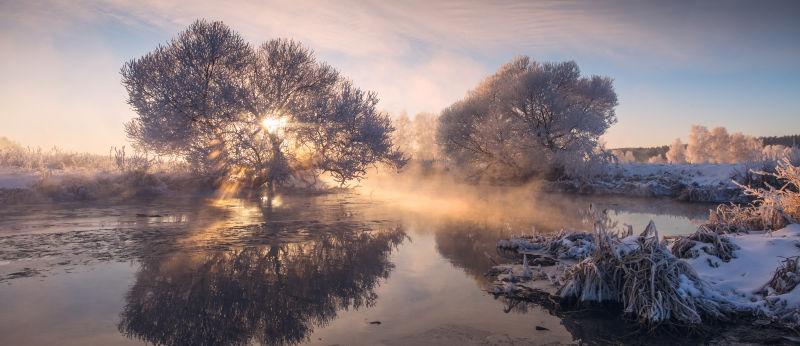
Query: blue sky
[{"x": 677, "y": 63}]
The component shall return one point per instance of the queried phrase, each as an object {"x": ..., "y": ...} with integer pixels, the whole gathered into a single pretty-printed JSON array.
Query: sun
[{"x": 273, "y": 124}]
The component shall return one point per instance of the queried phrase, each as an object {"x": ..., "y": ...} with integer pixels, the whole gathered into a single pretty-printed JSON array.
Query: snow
[
  {"x": 755, "y": 261},
  {"x": 628, "y": 245},
  {"x": 692, "y": 182},
  {"x": 738, "y": 284},
  {"x": 699, "y": 174},
  {"x": 687, "y": 287}
]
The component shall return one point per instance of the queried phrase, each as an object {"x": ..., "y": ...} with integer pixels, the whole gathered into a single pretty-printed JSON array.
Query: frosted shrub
[
  {"x": 623, "y": 156},
  {"x": 586, "y": 166},
  {"x": 780, "y": 152},
  {"x": 677, "y": 152},
  {"x": 656, "y": 159},
  {"x": 772, "y": 209}
]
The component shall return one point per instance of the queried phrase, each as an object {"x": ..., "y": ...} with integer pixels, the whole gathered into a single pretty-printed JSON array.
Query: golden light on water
[
  {"x": 273, "y": 124},
  {"x": 274, "y": 202}
]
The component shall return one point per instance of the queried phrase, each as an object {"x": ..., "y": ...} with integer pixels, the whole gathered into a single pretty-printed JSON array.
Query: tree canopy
[
  {"x": 265, "y": 113},
  {"x": 527, "y": 119}
]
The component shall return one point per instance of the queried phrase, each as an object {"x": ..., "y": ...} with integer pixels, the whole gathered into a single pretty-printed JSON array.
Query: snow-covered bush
[
  {"x": 583, "y": 168},
  {"x": 623, "y": 156},
  {"x": 780, "y": 152},
  {"x": 576, "y": 245},
  {"x": 677, "y": 152},
  {"x": 656, "y": 159},
  {"x": 773, "y": 207}
]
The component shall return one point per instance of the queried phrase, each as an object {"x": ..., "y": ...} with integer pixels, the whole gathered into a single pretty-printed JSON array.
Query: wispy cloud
[{"x": 418, "y": 55}]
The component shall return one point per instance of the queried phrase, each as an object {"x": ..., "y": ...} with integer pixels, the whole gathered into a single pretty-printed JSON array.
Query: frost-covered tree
[
  {"x": 264, "y": 114},
  {"x": 779, "y": 152},
  {"x": 623, "y": 156},
  {"x": 743, "y": 148},
  {"x": 717, "y": 146},
  {"x": 698, "y": 147},
  {"x": 527, "y": 119},
  {"x": 656, "y": 159},
  {"x": 677, "y": 152},
  {"x": 416, "y": 137},
  {"x": 403, "y": 135},
  {"x": 425, "y": 125},
  {"x": 628, "y": 157},
  {"x": 185, "y": 92}
]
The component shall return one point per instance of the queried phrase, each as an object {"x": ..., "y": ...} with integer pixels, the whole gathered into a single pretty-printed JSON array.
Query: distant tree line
[
  {"x": 639, "y": 154},
  {"x": 715, "y": 146},
  {"x": 787, "y": 141}
]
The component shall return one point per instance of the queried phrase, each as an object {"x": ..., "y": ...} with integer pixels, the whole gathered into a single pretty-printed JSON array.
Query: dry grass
[
  {"x": 733, "y": 218},
  {"x": 69, "y": 176},
  {"x": 117, "y": 160},
  {"x": 654, "y": 286},
  {"x": 773, "y": 208},
  {"x": 785, "y": 278}
]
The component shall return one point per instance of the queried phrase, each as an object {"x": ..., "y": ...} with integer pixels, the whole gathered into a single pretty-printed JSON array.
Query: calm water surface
[{"x": 330, "y": 269}]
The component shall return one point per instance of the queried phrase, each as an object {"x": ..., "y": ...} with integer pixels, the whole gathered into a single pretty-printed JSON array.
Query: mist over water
[{"x": 522, "y": 208}]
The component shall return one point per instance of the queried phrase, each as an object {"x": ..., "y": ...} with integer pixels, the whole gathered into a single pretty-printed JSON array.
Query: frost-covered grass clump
[
  {"x": 687, "y": 281},
  {"x": 704, "y": 241},
  {"x": 640, "y": 273},
  {"x": 572, "y": 245},
  {"x": 744, "y": 263}
]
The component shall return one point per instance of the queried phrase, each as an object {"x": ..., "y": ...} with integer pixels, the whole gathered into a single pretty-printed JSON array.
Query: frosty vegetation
[
  {"x": 716, "y": 146},
  {"x": 741, "y": 264},
  {"x": 417, "y": 136},
  {"x": 36, "y": 175},
  {"x": 261, "y": 114},
  {"x": 529, "y": 119}
]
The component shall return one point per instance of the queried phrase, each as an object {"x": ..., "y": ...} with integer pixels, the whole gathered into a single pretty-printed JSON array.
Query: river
[{"x": 346, "y": 268}]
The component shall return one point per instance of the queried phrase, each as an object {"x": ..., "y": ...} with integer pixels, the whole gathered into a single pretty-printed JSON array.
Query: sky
[{"x": 674, "y": 63}]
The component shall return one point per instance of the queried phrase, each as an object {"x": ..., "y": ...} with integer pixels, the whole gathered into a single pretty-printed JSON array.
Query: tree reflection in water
[{"x": 271, "y": 294}]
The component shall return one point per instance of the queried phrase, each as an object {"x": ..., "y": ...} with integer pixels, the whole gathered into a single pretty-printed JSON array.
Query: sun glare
[{"x": 273, "y": 124}]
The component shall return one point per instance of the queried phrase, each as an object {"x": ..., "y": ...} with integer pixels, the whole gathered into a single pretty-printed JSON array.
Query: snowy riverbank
[
  {"x": 688, "y": 280},
  {"x": 686, "y": 182}
]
